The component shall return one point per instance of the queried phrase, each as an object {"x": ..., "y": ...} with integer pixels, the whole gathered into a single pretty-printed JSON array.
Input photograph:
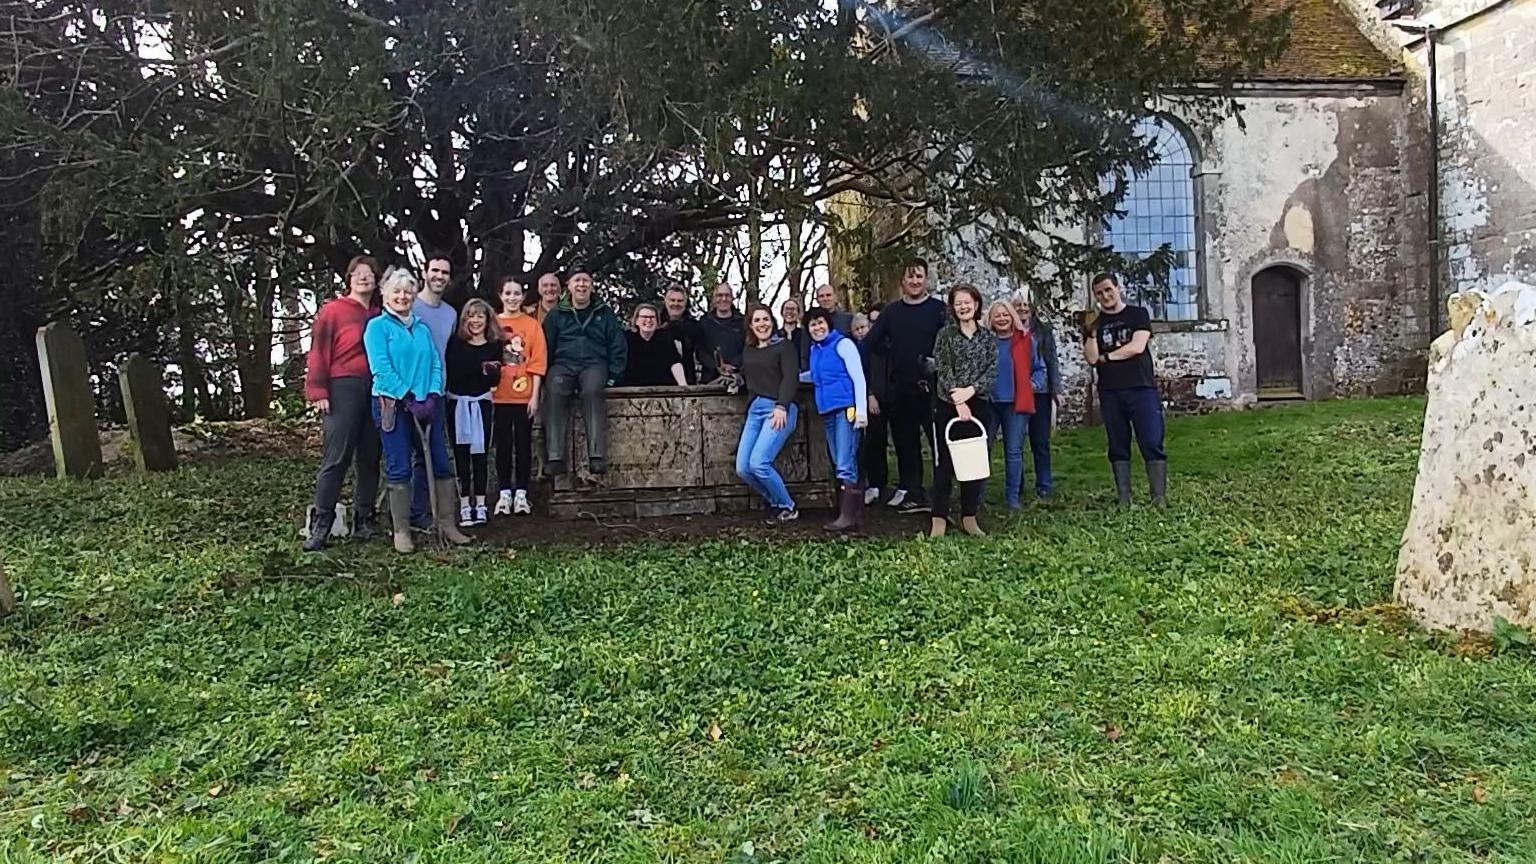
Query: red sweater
[
  {"x": 336, "y": 346},
  {"x": 1022, "y": 352}
]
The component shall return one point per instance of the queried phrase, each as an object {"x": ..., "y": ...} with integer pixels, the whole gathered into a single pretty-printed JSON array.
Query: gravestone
[
  {"x": 672, "y": 452},
  {"x": 1468, "y": 555},
  {"x": 71, "y": 406},
  {"x": 149, "y": 416}
]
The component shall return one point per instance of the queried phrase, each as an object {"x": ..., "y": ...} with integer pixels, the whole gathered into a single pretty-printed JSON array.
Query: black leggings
[
  {"x": 872, "y": 461},
  {"x": 471, "y": 466},
  {"x": 943, "y": 472},
  {"x": 514, "y": 433}
]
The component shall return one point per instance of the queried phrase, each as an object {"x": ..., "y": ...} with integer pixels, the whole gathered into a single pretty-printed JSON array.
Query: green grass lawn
[{"x": 1223, "y": 681}]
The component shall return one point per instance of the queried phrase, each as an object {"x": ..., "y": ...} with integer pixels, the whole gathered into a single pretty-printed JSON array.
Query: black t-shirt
[
  {"x": 650, "y": 361},
  {"x": 683, "y": 332},
  {"x": 1116, "y": 331}
]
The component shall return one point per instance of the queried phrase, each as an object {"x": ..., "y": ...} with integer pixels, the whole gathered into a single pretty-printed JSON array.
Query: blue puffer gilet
[{"x": 829, "y": 375}]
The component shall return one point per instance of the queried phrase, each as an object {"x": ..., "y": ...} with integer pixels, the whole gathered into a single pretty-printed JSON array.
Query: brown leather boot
[
  {"x": 969, "y": 525},
  {"x": 939, "y": 526}
]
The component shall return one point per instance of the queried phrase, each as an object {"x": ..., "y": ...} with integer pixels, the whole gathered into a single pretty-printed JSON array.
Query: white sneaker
[
  {"x": 520, "y": 504},
  {"x": 504, "y": 503},
  {"x": 897, "y": 497},
  {"x": 480, "y": 514},
  {"x": 466, "y": 516},
  {"x": 871, "y": 495}
]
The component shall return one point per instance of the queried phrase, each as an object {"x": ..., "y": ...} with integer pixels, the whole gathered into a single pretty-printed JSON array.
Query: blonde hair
[
  {"x": 1013, "y": 317},
  {"x": 493, "y": 331}
]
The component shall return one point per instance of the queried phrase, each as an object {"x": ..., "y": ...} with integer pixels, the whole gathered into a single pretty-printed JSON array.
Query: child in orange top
[{"x": 516, "y": 397}]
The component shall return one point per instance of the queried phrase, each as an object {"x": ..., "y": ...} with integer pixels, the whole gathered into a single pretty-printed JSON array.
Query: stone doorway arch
[{"x": 1278, "y": 301}]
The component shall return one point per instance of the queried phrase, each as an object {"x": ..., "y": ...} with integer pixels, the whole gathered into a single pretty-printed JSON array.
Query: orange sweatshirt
[{"x": 523, "y": 355}]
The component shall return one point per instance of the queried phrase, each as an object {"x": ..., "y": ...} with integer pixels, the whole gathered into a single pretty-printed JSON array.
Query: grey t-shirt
[{"x": 440, "y": 320}]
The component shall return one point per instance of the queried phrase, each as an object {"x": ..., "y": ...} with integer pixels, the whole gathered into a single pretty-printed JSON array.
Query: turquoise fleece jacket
[{"x": 403, "y": 357}]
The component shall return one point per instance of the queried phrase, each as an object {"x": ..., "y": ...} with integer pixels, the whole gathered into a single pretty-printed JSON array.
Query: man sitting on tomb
[{"x": 587, "y": 353}]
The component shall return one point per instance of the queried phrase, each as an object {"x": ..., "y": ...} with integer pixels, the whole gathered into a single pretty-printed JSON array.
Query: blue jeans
[
  {"x": 842, "y": 446},
  {"x": 1040, "y": 441},
  {"x": 1135, "y": 408},
  {"x": 760, "y": 445},
  {"x": 402, "y": 444},
  {"x": 1014, "y": 426},
  {"x": 420, "y": 501}
]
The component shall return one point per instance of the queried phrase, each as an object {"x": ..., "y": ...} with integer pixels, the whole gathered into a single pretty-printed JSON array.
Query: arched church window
[{"x": 1159, "y": 211}]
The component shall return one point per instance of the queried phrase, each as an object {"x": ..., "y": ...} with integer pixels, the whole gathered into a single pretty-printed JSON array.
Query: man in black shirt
[
  {"x": 722, "y": 336},
  {"x": 682, "y": 328},
  {"x": 1116, "y": 345},
  {"x": 904, "y": 333}
]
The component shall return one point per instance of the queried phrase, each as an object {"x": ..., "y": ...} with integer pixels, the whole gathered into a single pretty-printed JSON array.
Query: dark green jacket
[{"x": 582, "y": 338}]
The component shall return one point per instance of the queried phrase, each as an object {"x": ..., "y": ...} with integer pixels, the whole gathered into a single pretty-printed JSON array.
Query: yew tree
[{"x": 195, "y": 171}]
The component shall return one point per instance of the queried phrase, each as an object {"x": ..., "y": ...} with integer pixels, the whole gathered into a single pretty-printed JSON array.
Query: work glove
[{"x": 423, "y": 409}]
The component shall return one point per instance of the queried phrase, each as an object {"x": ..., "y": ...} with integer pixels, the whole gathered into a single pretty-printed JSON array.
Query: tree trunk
[
  {"x": 252, "y": 322},
  {"x": 291, "y": 327},
  {"x": 794, "y": 226},
  {"x": 754, "y": 273},
  {"x": 197, "y": 396}
]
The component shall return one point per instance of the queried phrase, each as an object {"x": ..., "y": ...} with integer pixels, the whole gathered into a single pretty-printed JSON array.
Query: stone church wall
[
  {"x": 1326, "y": 180},
  {"x": 1487, "y": 94}
]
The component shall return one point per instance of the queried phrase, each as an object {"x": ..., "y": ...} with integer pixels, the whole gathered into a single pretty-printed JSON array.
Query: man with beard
[{"x": 441, "y": 320}]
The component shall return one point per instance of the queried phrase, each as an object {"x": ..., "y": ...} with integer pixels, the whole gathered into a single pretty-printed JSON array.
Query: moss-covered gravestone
[
  {"x": 71, "y": 406},
  {"x": 149, "y": 416}
]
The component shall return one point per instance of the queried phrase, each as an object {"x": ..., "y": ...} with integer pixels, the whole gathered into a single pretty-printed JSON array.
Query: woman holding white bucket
[{"x": 965, "y": 362}]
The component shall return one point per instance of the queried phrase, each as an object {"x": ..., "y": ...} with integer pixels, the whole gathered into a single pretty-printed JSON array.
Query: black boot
[
  {"x": 362, "y": 525},
  {"x": 856, "y": 508},
  {"x": 1122, "y": 482},
  {"x": 1157, "y": 480},
  {"x": 319, "y": 529}
]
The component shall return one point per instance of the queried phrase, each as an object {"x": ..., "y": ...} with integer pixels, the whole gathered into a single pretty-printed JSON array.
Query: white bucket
[{"x": 968, "y": 456}]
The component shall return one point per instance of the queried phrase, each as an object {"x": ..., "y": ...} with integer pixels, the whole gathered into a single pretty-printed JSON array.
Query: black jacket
[{"x": 685, "y": 332}]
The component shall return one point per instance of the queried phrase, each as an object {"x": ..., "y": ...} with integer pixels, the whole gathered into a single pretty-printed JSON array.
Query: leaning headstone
[
  {"x": 7, "y": 596},
  {"x": 71, "y": 406},
  {"x": 149, "y": 416},
  {"x": 1468, "y": 556}
]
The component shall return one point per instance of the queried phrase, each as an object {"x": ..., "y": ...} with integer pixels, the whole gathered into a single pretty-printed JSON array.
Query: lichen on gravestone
[{"x": 1470, "y": 545}]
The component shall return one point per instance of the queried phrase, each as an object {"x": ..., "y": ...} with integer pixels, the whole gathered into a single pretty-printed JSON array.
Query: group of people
[{"x": 395, "y": 370}]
